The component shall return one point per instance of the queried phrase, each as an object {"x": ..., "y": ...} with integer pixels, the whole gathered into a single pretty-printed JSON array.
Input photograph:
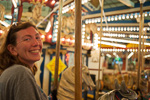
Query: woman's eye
[
  {"x": 27, "y": 39},
  {"x": 38, "y": 38}
]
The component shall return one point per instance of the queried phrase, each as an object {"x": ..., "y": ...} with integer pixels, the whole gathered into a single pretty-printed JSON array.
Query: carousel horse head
[
  {"x": 124, "y": 92},
  {"x": 87, "y": 81},
  {"x": 121, "y": 92},
  {"x": 66, "y": 89}
]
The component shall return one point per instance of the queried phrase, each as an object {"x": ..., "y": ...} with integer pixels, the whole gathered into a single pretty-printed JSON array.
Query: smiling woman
[{"x": 20, "y": 50}]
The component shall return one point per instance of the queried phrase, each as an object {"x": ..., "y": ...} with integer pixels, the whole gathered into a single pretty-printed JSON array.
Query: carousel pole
[
  {"x": 99, "y": 69},
  {"x": 143, "y": 47},
  {"x": 139, "y": 47},
  {"x": 58, "y": 47},
  {"x": 78, "y": 52}
]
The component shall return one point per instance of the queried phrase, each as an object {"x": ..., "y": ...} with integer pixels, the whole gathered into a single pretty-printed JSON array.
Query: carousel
[{"x": 93, "y": 49}]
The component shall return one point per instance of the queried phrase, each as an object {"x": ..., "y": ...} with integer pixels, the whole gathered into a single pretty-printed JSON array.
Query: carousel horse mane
[
  {"x": 121, "y": 92},
  {"x": 66, "y": 89}
]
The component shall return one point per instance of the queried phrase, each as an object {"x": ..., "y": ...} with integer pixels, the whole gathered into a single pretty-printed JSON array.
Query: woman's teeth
[{"x": 35, "y": 51}]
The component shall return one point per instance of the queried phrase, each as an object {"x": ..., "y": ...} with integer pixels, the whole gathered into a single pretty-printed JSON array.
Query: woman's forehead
[{"x": 29, "y": 30}]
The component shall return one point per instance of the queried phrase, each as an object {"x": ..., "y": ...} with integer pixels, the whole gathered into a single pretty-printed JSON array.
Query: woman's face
[{"x": 29, "y": 46}]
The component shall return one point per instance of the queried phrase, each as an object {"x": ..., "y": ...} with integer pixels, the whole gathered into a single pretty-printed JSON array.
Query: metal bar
[
  {"x": 56, "y": 8},
  {"x": 78, "y": 52},
  {"x": 139, "y": 48},
  {"x": 97, "y": 93},
  {"x": 58, "y": 46},
  {"x": 143, "y": 40}
]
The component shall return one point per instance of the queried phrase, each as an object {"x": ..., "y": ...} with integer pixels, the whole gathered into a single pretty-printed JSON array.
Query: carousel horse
[
  {"x": 66, "y": 89},
  {"x": 36, "y": 12},
  {"x": 121, "y": 92},
  {"x": 37, "y": 75},
  {"x": 91, "y": 27},
  {"x": 68, "y": 24}
]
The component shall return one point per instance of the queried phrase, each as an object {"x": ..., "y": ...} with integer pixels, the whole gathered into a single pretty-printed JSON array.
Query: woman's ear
[{"x": 12, "y": 49}]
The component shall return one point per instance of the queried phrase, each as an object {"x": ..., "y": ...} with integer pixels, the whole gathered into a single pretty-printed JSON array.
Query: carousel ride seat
[{"x": 121, "y": 92}]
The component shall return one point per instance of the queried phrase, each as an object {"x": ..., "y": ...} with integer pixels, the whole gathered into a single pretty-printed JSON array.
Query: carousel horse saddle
[
  {"x": 121, "y": 92},
  {"x": 125, "y": 92}
]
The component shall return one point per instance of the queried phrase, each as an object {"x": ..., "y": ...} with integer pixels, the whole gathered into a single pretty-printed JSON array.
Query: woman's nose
[{"x": 35, "y": 42}]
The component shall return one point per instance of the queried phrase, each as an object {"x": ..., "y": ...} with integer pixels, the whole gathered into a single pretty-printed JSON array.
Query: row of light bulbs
[
  {"x": 73, "y": 41},
  {"x": 123, "y": 35},
  {"x": 123, "y": 50},
  {"x": 95, "y": 46},
  {"x": 117, "y": 17},
  {"x": 109, "y": 29},
  {"x": 123, "y": 28},
  {"x": 96, "y": 38},
  {"x": 118, "y": 29},
  {"x": 68, "y": 40}
]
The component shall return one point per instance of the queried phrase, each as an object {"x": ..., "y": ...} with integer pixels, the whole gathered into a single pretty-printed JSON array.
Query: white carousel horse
[
  {"x": 68, "y": 24},
  {"x": 121, "y": 92},
  {"x": 66, "y": 89},
  {"x": 36, "y": 12},
  {"x": 37, "y": 75}
]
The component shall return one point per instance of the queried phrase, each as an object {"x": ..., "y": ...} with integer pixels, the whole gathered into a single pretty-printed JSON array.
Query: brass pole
[
  {"x": 58, "y": 46},
  {"x": 143, "y": 47},
  {"x": 99, "y": 69},
  {"x": 139, "y": 47},
  {"x": 78, "y": 52}
]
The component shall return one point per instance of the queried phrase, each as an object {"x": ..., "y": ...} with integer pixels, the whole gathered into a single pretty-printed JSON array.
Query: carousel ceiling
[{"x": 120, "y": 22}]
